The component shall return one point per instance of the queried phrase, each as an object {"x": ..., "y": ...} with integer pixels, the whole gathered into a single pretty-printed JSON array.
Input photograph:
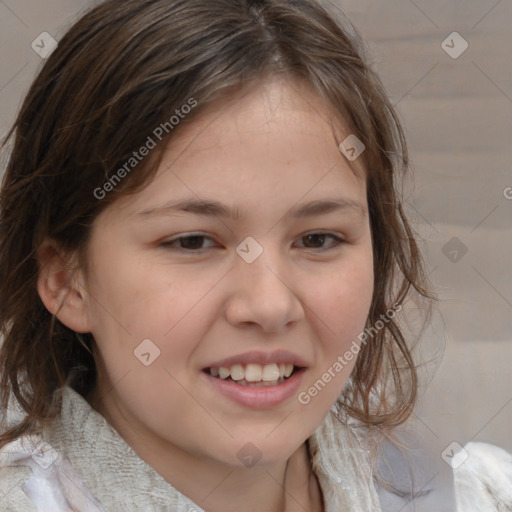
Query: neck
[{"x": 290, "y": 486}]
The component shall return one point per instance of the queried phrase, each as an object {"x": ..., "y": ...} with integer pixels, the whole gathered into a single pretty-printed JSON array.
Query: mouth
[
  {"x": 253, "y": 386},
  {"x": 255, "y": 375}
]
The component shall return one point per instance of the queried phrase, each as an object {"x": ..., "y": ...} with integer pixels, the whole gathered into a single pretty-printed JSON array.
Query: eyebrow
[{"x": 207, "y": 207}]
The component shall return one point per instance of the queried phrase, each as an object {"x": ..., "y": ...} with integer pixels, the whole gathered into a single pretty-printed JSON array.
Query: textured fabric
[
  {"x": 484, "y": 481},
  {"x": 82, "y": 464},
  {"x": 343, "y": 468}
]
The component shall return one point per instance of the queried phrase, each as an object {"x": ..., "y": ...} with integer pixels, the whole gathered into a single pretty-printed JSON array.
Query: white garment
[
  {"x": 82, "y": 464},
  {"x": 484, "y": 479}
]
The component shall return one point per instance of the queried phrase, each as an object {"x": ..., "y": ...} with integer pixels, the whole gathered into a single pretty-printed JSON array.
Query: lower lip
[{"x": 257, "y": 397}]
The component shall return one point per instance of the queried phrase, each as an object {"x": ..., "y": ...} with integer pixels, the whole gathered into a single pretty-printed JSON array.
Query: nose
[{"x": 263, "y": 293}]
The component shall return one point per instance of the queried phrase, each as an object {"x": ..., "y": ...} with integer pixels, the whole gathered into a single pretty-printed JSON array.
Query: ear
[{"x": 60, "y": 289}]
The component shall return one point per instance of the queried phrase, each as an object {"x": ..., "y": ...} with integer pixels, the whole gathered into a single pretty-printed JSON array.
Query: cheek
[
  {"x": 153, "y": 314},
  {"x": 138, "y": 299},
  {"x": 344, "y": 302},
  {"x": 340, "y": 309}
]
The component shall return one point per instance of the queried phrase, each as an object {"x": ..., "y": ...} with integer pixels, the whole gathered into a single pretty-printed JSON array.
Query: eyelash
[{"x": 169, "y": 244}]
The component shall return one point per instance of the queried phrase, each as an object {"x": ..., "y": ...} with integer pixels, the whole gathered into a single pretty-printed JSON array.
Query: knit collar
[{"x": 103, "y": 466}]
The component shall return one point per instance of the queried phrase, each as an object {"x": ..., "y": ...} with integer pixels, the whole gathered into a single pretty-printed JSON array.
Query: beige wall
[{"x": 458, "y": 118}]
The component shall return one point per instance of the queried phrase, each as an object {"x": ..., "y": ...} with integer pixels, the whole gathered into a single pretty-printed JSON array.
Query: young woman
[{"x": 203, "y": 264}]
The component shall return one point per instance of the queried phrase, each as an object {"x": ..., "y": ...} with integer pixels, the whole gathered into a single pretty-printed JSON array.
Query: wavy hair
[{"x": 118, "y": 73}]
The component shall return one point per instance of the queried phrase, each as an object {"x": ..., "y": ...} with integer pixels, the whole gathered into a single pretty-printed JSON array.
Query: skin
[{"x": 264, "y": 153}]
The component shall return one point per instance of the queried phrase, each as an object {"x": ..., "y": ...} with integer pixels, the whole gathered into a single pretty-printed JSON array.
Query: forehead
[
  {"x": 278, "y": 135},
  {"x": 275, "y": 104}
]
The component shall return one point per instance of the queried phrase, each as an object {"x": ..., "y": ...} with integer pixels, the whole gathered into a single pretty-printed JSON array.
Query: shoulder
[
  {"x": 483, "y": 478},
  {"x": 16, "y": 474},
  {"x": 34, "y": 476},
  {"x": 12, "y": 496},
  {"x": 25, "y": 475}
]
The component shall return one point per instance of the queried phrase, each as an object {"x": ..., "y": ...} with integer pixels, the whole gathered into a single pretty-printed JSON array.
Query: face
[{"x": 274, "y": 275}]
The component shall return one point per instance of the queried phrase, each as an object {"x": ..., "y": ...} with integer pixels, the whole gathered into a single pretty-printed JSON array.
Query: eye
[
  {"x": 319, "y": 238},
  {"x": 187, "y": 243},
  {"x": 194, "y": 242}
]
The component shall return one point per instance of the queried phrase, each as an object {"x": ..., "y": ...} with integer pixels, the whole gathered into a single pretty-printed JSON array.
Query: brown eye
[
  {"x": 191, "y": 242},
  {"x": 187, "y": 243},
  {"x": 317, "y": 240}
]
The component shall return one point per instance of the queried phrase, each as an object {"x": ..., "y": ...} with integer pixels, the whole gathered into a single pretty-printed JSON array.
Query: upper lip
[{"x": 258, "y": 357}]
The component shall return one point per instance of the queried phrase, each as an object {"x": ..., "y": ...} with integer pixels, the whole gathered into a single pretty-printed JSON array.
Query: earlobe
[{"x": 60, "y": 289}]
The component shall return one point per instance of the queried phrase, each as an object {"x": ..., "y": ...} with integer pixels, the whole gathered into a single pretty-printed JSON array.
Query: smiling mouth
[{"x": 254, "y": 375}]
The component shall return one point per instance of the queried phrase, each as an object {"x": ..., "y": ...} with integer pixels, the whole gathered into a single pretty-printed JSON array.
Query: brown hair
[{"x": 121, "y": 71}]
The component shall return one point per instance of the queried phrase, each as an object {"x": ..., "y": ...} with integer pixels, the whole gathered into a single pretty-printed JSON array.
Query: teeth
[
  {"x": 270, "y": 372},
  {"x": 254, "y": 372},
  {"x": 223, "y": 372},
  {"x": 237, "y": 372},
  {"x": 288, "y": 369}
]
